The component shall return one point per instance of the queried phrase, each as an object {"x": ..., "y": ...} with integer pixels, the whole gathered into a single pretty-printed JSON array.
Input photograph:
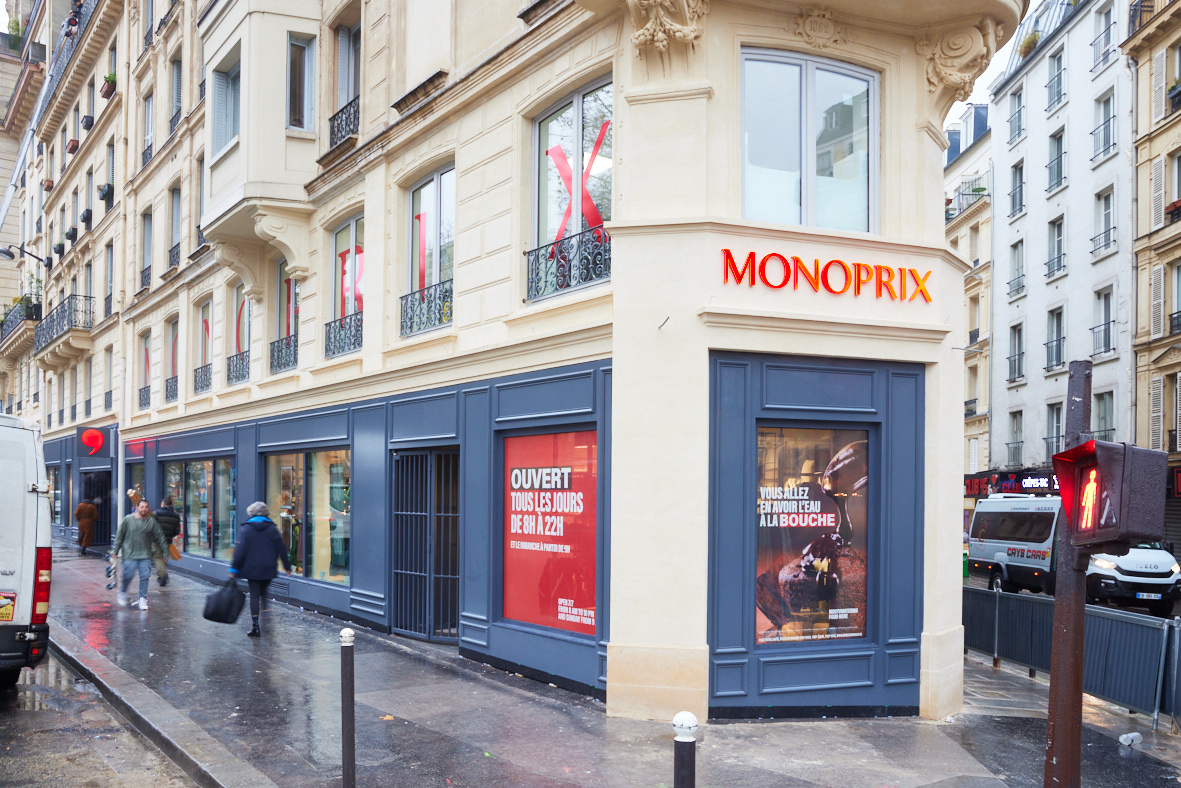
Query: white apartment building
[{"x": 1063, "y": 240}]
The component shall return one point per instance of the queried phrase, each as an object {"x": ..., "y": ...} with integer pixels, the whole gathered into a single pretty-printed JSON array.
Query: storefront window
[
  {"x": 315, "y": 525},
  {"x": 204, "y": 492},
  {"x": 225, "y": 509},
  {"x": 812, "y": 515},
  {"x": 135, "y": 476},
  {"x": 550, "y": 530},
  {"x": 198, "y": 513},
  {"x": 807, "y": 141},
  {"x": 55, "y": 492}
]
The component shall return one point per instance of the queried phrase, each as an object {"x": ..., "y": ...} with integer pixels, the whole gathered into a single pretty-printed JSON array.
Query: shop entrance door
[
  {"x": 425, "y": 592},
  {"x": 96, "y": 488}
]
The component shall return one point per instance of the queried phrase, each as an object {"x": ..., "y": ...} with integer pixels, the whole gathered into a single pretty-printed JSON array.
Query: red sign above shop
[
  {"x": 836, "y": 276},
  {"x": 550, "y": 530}
]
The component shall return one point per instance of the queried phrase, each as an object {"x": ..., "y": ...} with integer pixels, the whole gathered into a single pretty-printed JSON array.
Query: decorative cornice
[
  {"x": 818, "y": 29},
  {"x": 658, "y": 22},
  {"x": 956, "y": 59}
]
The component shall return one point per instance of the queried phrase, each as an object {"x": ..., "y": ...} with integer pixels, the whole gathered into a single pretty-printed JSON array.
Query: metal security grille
[{"x": 426, "y": 544}]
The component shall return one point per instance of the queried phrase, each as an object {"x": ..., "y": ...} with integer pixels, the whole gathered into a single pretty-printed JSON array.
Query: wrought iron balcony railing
[
  {"x": 1139, "y": 12},
  {"x": 107, "y": 305},
  {"x": 145, "y": 278},
  {"x": 1103, "y": 241},
  {"x": 73, "y": 312},
  {"x": 147, "y": 156},
  {"x": 62, "y": 54},
  {"x": 1055, "y": 352},
  {"x": 148, "y": 35},
  {"x": 1017, "y": 285},
  {"x": 1016, "y": 124},
  {"x": 1016, "y": 366},
  {"x": 201, "y": 90},
  {"x": 344, "y": 123},
  {"x": 1053, "y": 445},
  {"x": 203, "y": 379},
  {"x": 1055, "y": 265},
  {"x": 22, "y": 310},
  {"x": 1056, "y": 172},
  {"x": 284, "y": 353},
  {"x": 1175, "y": 323},
  {"x": 971, "y": 190},
  {"x": 1103, "y": 46},
  {"x": 238, "y": 368},
  {"x": 145, "y": 398},
  {"x": 343, "y": 335},
  {"x": 86, "y": 408},
  {"x": 108, "y": 399},
  {"x": 1017, "y": 200},
  {"x": 1055, "y": 90},
  {"x": 1014, "y": 458},
  {"x": 973, "y": 336},
  {"x": 171, "y": 389},
  {"x": 428, "y": 308},
  {"x": 174, "y": 256},
  {"x": 61, "y": 416},
  {"x": 1103, "y": 138},
  {"x": 1104, "y": 435},
  {"x": 970, "y": 407},
  {"x": 173, "y": 122},
  {"x": 1103, "y": 338},
  {"x": 572, "y": 262},
  {"x": 73, "y": 413},
  {"x": 200, "y": 237},
  {"x": 1172, "y": 444}
]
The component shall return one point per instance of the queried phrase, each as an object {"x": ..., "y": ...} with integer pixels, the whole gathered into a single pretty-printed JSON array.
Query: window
[
  {"x": 145, "y": 343},
  {"x": 1104, "y": 133},
  {"x": 1016, "y": 353},
  {"x": 349, "y": 262},
  {"x": 205, "y": 347},
  {"x": 147, "y": 244},
  {"x": 90, "y": 98},
  {"x": 1102, "y": 46},
  {"x": 227, "y": 88},
  {"x": 1104, "y": 331},
  {"x": 206, "y": 492},
  {"x": 149, "y": 102},
  {"x": 348, "y": 64},
  {"x": 108, "y": 370},
  {"x": 173, "y": 346},
  {"x": 90, "y": 190},
  {"x": 309, "y": 496},
  {"x": 110, "y": 272},
  {"x": 177, "y": 80},
  {"x": 1056, "y": 168},
  {"x": 241, "y": 320},
  {"x": 1017, "y": 268},
  {"x": 1015, "y": 438},
  {"x": 1017, "y": 190},
  {"x": 87, "y": 383},
  {"x": 1016, "y": 115},
  {"x": 432, "y": 231},
  {"x": 1105, "y": 220},
  {"x": 1056, "y": 87},
  {"x": 287, "y": 319},
  {"x": 809, "y": 142},
  {"x": 176, "y": 208},
  {"x": 301, "y": 82},
  {"x": 1056, "y": 261},
  {"x": 77, "y": 123},
  {"x": 149, "y": 21},
  {"x": 89, "y": 281},
  {"x": 74, "y": 209},
  {"x": 1103, "y": 414},
  {"x": 1055, "y": 339},
  {"x": 1053, "y": 429},
  {"x": 112, "y": 59}
]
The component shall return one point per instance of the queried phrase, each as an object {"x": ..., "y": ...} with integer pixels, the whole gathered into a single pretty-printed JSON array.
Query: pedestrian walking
[
  {"x": 137, "y": 533},
  {"x": 86, "y": 513},
  {"x": 258, "y": 549},
  {"x": 169, "y": 522}
]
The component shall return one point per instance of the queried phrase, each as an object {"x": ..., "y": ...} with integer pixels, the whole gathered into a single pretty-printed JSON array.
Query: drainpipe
[
  {"x": 1134, "y": 295},
  {"x": 991, "y": 305}
]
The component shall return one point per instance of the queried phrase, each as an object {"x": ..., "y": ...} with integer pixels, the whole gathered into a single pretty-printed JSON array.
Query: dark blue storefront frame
[
  {"x": 73, "y": 459},
  {"x": 878, "y": 674},
  {"x": 473, "y": 417}
]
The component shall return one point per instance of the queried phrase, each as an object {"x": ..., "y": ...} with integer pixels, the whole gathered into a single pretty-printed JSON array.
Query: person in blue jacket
[{"x": 258, "y": 549}]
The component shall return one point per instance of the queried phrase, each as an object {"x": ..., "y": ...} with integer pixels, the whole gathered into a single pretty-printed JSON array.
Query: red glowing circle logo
[{"x": 93, "y": 439}]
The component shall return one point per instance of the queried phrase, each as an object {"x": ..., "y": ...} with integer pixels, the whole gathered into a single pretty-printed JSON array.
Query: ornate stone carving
[
  {"x": 957, "y": 58},
  {"x": 818, "y": 29},
  {"x": 659, "y": 21},
  {"x": 289, "y": 234},
  {"x": 243, "y": 263}
]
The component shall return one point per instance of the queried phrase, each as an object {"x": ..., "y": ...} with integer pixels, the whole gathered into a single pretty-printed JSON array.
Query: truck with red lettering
[{"x": 1011, "y": 542}]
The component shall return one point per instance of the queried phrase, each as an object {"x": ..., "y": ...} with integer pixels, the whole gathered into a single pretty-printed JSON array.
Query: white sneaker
[
  {"x": 122, "y": 599},
  {"x": 143, "y": 603}
]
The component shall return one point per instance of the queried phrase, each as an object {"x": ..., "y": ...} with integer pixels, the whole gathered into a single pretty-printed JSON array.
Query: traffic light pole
[{"x": 1064, "y": 728}]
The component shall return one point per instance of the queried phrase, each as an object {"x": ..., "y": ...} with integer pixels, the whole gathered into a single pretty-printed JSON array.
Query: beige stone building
[
  {"x": 586, "y": 336},
  {"x": 968, "y": 185}
]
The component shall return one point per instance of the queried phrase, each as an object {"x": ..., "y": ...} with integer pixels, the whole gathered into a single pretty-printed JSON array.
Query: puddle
[{"x": 50, "y": 687}]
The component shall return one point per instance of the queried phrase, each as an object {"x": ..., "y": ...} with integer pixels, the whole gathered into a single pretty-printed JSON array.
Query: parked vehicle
[
  {"x": 1011, "y": 542},
  {"x": 26, "y": 558}
]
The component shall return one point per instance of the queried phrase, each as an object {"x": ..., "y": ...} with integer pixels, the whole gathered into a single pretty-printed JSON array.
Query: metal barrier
[{"x": 1128, "y": 658}]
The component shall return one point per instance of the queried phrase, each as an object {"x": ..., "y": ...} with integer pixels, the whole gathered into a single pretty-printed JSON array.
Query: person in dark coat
[
  {"x": 85, "y": 513},
  {"x": 169, "y": 522},
  {"x": 258, "y": 549}
]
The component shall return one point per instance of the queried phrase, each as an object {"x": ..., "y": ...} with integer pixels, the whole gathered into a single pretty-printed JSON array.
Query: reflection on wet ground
[{"x": 55, "y": 729}]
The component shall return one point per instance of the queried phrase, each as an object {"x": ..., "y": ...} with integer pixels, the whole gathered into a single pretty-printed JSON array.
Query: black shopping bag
[{"x": 225, "y": 604}]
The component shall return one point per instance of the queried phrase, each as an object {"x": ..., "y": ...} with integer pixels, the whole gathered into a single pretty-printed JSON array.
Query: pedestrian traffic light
[{"x": 1112, "y": 492}]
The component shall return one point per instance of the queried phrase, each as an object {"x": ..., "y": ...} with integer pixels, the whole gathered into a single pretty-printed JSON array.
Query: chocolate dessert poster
[{"x": 811, "y": 514}]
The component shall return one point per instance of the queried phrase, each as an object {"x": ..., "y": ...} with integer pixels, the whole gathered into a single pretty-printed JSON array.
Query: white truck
[
  {"x": 1011, "y": 542},
  {"x": 26, "y": 557}
]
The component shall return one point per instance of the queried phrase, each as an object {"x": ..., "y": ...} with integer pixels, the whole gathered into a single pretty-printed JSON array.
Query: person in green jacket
[{"x": 135, "y": 537}]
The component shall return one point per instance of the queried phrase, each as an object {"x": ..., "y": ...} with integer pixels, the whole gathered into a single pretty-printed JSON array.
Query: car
[
  {"x": 1012, "y": 543},
  {"x": 26, "y": 555}
]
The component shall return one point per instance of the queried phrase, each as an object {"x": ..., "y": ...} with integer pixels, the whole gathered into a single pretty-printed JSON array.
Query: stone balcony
[
  {"x": 63, "y": 336},
  {"x": 16, "y": 331}
]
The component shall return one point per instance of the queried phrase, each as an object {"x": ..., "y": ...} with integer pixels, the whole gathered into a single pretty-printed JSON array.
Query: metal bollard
[
  {"x": 685, "y": 750},
  {"x": 348, "y": 729}
]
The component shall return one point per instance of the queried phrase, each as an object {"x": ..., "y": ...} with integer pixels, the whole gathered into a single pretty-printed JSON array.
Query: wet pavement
[
  {"x": 55, "y": 729},
  {"x": 252, "y": 711}
]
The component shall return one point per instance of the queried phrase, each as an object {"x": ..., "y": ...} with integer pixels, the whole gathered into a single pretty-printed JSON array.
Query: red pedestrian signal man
[{"x": 1088, "y": 503}]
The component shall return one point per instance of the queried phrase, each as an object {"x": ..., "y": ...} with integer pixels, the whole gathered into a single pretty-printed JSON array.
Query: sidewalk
[{"x": 235, "y": 711}]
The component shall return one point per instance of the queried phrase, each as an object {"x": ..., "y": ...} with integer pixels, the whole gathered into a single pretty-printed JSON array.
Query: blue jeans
[{"x": 141, "y": 565}]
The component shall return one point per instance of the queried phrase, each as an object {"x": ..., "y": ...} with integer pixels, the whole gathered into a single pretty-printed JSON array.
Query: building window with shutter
[
  {"x": 1156, "y": 297},
  {"x": 300, "y": 82},
  {"x": 973, "y": 455},
  {"x": 1156, "y": 394},
  {"x": 227, "y": 93},
  {"x": 348, "y": 65}
]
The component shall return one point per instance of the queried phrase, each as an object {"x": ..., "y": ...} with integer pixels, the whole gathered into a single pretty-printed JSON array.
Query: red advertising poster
[
  {"x": 550, "y": 530},
  {"x": 812, "y": 516}
]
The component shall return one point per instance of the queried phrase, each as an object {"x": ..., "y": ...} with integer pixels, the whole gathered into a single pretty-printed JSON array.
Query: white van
[
  {"x": 1011, "y": 542},
  {"x": 26, "y": 558}
]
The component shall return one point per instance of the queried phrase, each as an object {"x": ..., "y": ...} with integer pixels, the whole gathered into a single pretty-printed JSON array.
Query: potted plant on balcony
[
  {"x": 1173, "y": 209},
  {"x": 72, "y": 234},
  {"x": 47, "y": 184},
  {"x": 108, "y": 88},
  {"x": 1029, "y": 43},
  {"x": 59, "y": 249},
  {"x": 72, "y": 146},
  {"x": 86, "y": 216},
  {"x": 106, "y": 191},
  {"x": 87, "y": 122}
]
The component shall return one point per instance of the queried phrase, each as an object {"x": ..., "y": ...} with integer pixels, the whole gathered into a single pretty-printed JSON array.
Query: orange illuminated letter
[
  {"x": 920, "y": 285},
  {"x": 828, "y": 285},
  {"x": 729, "y": 265},
  {"x": 786, "y": 270},
  {"x": 885, "y": 277},
  {"x": 862, "y": 275},
  {"x": 813, "y": 277}
]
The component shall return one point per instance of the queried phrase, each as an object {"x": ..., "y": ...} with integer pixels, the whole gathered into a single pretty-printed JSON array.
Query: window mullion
[
  {"x": 808, "y": 144},
  {"x": 576, "y": 168}
]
